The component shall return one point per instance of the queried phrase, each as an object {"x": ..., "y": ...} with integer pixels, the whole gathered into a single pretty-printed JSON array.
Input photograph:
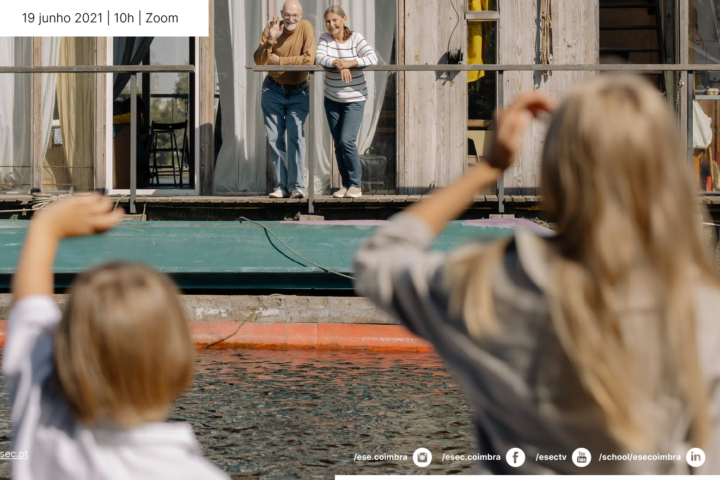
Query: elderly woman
[{"x": 343, "y": 50}]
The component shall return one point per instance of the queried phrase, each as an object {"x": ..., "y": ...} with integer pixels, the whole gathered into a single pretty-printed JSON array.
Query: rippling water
[{"x": 305, "y": 414}]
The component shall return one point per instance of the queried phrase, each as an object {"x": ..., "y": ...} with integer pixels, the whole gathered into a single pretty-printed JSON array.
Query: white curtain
[
  {"x": 242, "y": 163},
  {"x": 15, "y": 109},
  {"x": 15, "y": 123},
  {"x": 375, "y": 20},
  {"x": 319, "y": 140}
]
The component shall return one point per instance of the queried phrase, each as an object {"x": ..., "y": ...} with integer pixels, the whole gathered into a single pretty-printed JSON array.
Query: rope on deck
[{"x": 325, "y": 269}]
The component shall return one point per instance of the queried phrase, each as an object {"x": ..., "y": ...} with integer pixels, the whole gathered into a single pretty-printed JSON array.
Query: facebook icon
[{"x": 515, "y": 457}]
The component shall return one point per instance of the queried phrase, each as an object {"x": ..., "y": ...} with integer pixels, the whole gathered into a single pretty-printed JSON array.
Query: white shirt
[
  {"x": 60, "y": 448},
  {"x": 355, "y": 48}
]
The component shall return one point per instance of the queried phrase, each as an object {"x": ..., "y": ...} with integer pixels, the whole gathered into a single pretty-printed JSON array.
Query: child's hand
[
  {"x": 73, "y": 217},
  {"x": 511, "y": 124},
  {"x": 78, "y": 216}
]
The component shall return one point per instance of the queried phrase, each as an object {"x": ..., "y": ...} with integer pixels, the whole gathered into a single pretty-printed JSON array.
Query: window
[
  {"x": 166, "y": 148},
  {"x": 482, "y": 36},
  {"x": 705, "y": 49}
]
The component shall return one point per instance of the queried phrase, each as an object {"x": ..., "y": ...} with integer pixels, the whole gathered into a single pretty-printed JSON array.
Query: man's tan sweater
[{"x": 293, "y": 48}]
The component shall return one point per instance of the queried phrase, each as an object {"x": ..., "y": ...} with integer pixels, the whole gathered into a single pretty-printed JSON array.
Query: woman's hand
[
  {"x": 274, "y": 59},
  {"x": 344, "y": 64},
  {"x": 346, "y": 75},
  {"x": 511, "y": 124}
]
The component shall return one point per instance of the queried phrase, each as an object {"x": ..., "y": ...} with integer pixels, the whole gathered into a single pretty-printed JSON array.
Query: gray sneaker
[
  {"x": 353, "y": 192},
  {"x": 340, "y": 193},
  {"x": 297, "y": 194},
  {"x": 279, "y": 193}
]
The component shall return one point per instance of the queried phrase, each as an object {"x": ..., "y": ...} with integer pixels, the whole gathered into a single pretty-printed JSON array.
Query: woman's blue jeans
[{"x": 345, "y": 120}]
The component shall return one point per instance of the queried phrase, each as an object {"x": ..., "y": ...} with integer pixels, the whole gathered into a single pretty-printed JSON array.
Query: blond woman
[
  {"x": 90, "y": 388},
  {"x": 604, "y": 336}
]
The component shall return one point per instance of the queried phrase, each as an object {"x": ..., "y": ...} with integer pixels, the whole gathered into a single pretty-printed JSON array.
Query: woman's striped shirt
[{"x": 355, "y": 48}]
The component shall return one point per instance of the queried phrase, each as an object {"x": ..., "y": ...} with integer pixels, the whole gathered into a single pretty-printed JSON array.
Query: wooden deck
[
  {"x": 325, "y": 200},
  {"x": 8, "y": 202}
]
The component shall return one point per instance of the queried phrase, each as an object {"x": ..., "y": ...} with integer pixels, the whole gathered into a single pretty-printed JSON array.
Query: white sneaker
[
  {"x": 297, "y": 194},
  {"x": 278, "y": 194},
  {"x": 340, "y": 193},
  {"x": 354, "y": 192}
]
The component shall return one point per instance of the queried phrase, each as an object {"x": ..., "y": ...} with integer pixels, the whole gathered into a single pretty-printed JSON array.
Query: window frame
[{"x": 193, "y": 133}]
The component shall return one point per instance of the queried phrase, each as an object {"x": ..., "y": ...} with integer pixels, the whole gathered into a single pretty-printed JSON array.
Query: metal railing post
[
  {"x": 501, "y": 104},
  {"x": 133, "y": 141},
  {"x": 690, "y": 99},
  {"x": 311, "y": 184}
]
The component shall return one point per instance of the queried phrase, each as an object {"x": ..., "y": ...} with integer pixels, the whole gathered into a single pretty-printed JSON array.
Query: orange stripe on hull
[{"x": 293, "y": 336}]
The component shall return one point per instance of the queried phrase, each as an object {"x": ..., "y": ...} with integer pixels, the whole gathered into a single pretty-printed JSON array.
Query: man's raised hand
[{"x": 275, "y": 28}]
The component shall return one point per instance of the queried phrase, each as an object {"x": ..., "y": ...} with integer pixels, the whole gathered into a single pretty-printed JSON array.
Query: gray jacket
[{"x": 523, "y": 389}]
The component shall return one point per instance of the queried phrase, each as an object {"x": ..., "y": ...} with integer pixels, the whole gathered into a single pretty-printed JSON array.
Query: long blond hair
[{"x": 614, "y": 182}]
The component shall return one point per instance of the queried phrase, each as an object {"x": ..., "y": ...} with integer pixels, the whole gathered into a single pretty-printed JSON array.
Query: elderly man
[{"x": 286, "y": 96}]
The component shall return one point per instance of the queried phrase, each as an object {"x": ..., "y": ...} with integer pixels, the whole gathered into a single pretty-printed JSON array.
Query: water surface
[{"x": 305, "y": 414}]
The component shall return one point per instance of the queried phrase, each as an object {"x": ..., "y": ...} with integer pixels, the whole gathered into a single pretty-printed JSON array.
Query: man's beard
[{"x": 290, "y": 28}]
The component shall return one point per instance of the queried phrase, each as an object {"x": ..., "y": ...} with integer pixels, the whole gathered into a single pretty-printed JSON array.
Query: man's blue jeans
[
  {"x": 285, "y": 111},
  {"x": 344, "y": 120}
]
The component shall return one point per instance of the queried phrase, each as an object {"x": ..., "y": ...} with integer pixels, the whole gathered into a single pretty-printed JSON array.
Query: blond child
[
  {"x": 91, "y": 387},
  {"x": 603, "y": 337}
]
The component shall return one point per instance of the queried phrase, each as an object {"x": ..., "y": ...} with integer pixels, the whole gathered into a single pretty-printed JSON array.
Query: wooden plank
[
  {"x": 400, "y": 199},
  {"x": 491, "y": 198},
  {"x": 100, "y": 161},
  {"x": 479, "y": 123},
  {"x": 400, "y": 103},
  {"x": 573, "y": 43},
  {"x": 414, "y": 198},
  {"x": 206, "y": 77}
]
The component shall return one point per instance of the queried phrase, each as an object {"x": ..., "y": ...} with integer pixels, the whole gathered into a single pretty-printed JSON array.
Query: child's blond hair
[{"x": 123, "y": 350}]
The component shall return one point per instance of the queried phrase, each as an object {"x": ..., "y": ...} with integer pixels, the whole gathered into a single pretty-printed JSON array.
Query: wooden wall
[
  {"x": 435, "y": 105},
  {"x": 575, "y": 41}
]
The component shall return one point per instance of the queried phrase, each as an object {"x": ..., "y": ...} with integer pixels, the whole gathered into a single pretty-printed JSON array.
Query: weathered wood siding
[
  {"x": 575, "y": 41},
  {"x": 435, "y": 104}
]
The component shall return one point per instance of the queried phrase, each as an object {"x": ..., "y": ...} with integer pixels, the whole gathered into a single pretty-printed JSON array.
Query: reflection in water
[{"x": 305, "y": 414}]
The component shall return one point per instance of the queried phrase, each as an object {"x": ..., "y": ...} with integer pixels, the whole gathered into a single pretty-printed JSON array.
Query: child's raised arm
[{"x": 74, "y": 217}]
